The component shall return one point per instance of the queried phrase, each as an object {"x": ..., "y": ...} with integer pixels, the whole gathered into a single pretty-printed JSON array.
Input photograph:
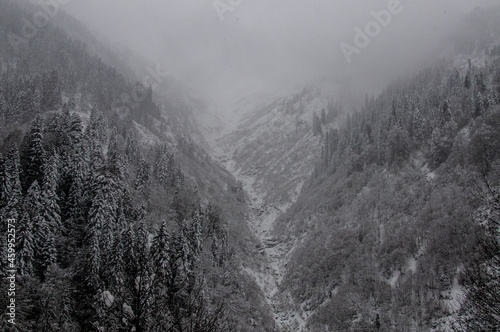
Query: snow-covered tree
[
  {"x": 26, "y": 245},
  {"x": 480, "y": 311},
  {"x": 33, "y": 154},
  {"x": 10, "y": 195},
  {"x": 142, "y": 178}
]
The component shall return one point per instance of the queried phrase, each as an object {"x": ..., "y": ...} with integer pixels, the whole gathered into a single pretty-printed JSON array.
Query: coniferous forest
[
  {"x": 110, "y": 235},
  {"x": 125, "y": 220}
]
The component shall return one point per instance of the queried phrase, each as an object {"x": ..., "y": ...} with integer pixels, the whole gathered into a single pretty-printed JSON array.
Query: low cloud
[{"x": 278, "y": 43}]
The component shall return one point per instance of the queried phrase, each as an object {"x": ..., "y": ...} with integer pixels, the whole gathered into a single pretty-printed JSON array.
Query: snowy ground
[
  {"x": 270, "y": 149},
  {"x": 275, "y": 252}
]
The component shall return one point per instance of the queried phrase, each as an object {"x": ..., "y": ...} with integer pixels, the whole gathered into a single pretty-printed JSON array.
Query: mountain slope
[
  {"x": 112, "y": 162},
  {"x": 388, "y": 225},
  {"x": 271, "y": 151}
]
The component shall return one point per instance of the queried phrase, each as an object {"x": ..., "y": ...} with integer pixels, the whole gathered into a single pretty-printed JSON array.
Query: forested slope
[
  {"x": 121, "y": 222},
  {"x": 393, "y": 229}
]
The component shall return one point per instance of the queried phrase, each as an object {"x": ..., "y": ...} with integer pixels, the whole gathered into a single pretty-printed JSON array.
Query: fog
[{"x": 270, "y": 44}]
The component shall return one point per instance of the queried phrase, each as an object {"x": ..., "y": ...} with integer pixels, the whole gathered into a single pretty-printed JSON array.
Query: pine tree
[
  {"x": 77, "y": 195},
  {"x": 142, "y": 178},
  {"x": 454, "y": 82},
  {"x": 445, "y": 115},
  {"x": 26, "y": 246},
  {"x": 16, "y": 114},
  {"x": 440, "y": 147},
  {"x": 32, "y": 156},
  {"x": 196, "y": 235},
  {"x": 218, "y": 232},
  {"x": 130, "y": 270},
  {"x": 481, "y": 86},
  {"x": 171, "y": 170},
  {"x": 160, "y": 250},
  {"x": 102, "y": 218},
  {"x": 117, "y": 263},
  {"x": 10, "y": 195},
  {"x": 51, "y": 212},
  {"x": 96, "y": 130},
  {"x": 43, "y": 239},
  {"x": 480, "y": 310},
  {"x": 28, "y": 106},
  {"x": 161, "y": 269},
  {"x": 164, "y": 168},
  {"x": 131, "y": 147},
  {"x": 479, "y": 105},
  {"x": 129, "y": 256},
  {"x": 75, "y": 129},
  {"x": 94, "y": 261},
  {"x": 95, "y": 139},
  {"x": 114, "y": 163}
]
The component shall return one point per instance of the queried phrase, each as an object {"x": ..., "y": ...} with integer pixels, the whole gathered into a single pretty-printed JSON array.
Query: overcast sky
[{"x": 272, "y": 42}]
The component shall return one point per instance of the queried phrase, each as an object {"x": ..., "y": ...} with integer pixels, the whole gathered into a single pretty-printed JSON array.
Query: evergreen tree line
[
  {"x": 51, "y": 65},
  {"x": 89, "y": 255},
  {"x": 425, "y": 115},
  {"x": 84, "y": 182},
  {"x": 414, "y": 173}
]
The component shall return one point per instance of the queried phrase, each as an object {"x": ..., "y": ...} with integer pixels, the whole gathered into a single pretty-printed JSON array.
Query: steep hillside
[
  {"x": 130, "y": 202},
  {"x": 390, "y": 223},
  {"x": 271, "y": 151},
  {"x": 112, "y": 198},
  {"x": 370, "y": 222}
]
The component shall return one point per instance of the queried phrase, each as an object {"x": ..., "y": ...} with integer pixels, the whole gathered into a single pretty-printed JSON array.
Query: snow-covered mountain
[{"x": 269, "y": 146}]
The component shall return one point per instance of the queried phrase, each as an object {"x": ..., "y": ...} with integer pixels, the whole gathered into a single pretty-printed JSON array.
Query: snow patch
[
  {"x": 453, "y": 297},
  {"x": 108, "y": 298}
]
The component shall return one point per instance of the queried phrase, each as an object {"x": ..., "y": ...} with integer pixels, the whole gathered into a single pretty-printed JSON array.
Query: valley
[
  {"x": 259, "y": 187},
  {"x": 271, "y": 153}
]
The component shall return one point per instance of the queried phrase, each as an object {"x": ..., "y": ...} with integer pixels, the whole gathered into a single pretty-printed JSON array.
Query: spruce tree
[
  {"x": 102, "y": 218},
  {"x": 479, "y": 105},
  {"x": 163, "y": 167},
  {"x": 131, "y": 147},
  {"x": 75, "y": 215},
  {"x": 114, "y": 163},
  {"x": 117, "y": 263},
  {"x": 32, "y": 154},
  {"x": 75, "y": 129},
  {"x": 44, "y": 246},
  {"x": 445, "y": 115},
  {"x": 51, "y": 212},
  {"x": 160, "y": 250},
  {"x": 10, "y": 195},
  {"x": 196, "y": 234},
  {"x": 480, "y": 310},
  {"x": 26, "y": 246},
  {"x": 142, "y": 178},
  {"x": 96, "y": 130},
  {"x": 28, "y": 106}
]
